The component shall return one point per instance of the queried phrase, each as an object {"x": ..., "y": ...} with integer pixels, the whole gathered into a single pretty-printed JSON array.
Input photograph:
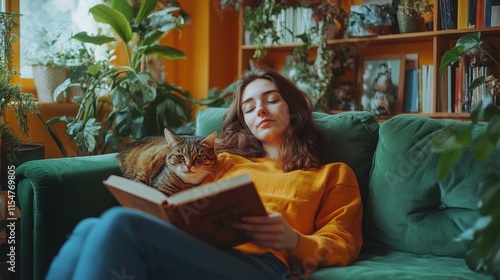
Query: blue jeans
[{"x": 127, "y": 244}]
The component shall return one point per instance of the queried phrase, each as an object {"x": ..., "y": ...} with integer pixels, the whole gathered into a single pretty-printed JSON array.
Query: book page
[{"x": 209, "y": 189}]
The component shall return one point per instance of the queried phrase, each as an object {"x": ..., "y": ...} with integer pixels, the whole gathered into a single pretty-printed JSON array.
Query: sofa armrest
[{"x": 53, "y": 196}]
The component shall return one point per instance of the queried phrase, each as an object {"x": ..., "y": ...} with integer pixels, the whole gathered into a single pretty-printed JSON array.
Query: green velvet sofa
[{"x": 410, "y": 220}]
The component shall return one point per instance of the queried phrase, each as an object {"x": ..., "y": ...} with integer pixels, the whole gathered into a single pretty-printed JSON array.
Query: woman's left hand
[{"x": 270, "y": 231}]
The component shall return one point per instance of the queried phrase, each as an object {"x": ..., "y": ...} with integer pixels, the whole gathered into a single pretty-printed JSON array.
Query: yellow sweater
[{"x": 323, "y": 205}]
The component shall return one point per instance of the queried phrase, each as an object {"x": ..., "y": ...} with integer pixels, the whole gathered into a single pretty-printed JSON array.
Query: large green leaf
[
  {"x": 450, "y": 56},
  {"x": 476, "y": 83},
  {"x": 166, "y": 52},
  {"x": 97, "y": 40},
  {"x": 105, "y": 14},
  {"x": 462, "y": 45},
  {"x": 469, "y": 41},
  {"x": 151, "y": 37},
  {"x": 123, "y": 7},
  {"x": 483, "y": 147}
]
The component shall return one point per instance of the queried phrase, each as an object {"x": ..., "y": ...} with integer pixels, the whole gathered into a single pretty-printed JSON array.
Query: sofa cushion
[
  {"x": 408, "y": 209},
  {"x": 350, "y": 137},
  {"x": 391, "y": 264}
]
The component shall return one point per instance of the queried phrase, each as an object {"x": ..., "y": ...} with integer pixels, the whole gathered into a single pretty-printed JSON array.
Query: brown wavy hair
[{"x": 301, "y": 147}]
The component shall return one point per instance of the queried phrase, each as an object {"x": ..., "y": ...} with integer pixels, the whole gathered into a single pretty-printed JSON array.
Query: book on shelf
[
  {"x": 428, "y": 99},
  {"x": 480, "y": 13},
  {"x": 446, "y": 90},
  {"x": 472, "y": 13},
  {"x": 495, "y": 13},
  {"x": 463, "y": 15},
  {"x": 411, "y": 85},
  {"x": 206, "y": 212},
  {"x": 487, "y": 13},
  {"x": 448, "y": 12}
]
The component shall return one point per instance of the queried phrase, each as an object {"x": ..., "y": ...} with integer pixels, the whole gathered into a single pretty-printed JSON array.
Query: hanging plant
[
  {"x": 259, "y": 22},
  {"x": 314, "y": 77}
]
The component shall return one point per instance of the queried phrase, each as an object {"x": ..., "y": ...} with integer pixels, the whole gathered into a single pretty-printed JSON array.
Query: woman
[{"x": 314, "y": 211}]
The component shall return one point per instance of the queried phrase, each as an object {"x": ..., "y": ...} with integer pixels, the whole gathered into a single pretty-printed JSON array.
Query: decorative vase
[{"x": 407, "y": 23}]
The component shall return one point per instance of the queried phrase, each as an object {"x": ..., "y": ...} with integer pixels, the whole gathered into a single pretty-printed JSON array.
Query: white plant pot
[{"x": 46, "y": 80}]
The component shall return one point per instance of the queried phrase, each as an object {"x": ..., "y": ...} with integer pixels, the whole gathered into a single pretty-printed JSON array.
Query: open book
[{"x": 206, "y": 212}]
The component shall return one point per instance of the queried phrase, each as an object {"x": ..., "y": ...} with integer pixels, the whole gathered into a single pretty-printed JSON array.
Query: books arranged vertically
[
  {"x": 207, "y": 212},
  {"x": 476, "y": 13},
  {"x": 448, "y": 12},
  {"x": 290, "y": 22}
]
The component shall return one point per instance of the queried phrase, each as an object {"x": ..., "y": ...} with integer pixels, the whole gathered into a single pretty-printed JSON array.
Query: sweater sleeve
[{"x": 337, "y": 238}]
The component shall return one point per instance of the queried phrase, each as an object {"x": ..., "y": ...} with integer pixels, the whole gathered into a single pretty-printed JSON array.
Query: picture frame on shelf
[
  {"x": 381, "y": 81},
  {"x": 364, "y": 20}
]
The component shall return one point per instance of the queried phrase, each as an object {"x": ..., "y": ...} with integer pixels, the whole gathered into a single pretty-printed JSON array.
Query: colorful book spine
[
  {"x": 480, "y": 13},
  {"x": 463, "y": 14}
]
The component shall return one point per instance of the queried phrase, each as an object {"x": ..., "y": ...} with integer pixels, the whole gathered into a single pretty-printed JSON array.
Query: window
[{"x": 64, "y": 16}]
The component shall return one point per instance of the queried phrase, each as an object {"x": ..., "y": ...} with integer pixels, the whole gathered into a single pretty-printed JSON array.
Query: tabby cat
[{"x": 179, "y": 163}]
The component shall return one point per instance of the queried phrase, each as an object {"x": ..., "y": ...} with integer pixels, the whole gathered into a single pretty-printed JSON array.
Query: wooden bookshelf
[{"x": 429, "y": 45}]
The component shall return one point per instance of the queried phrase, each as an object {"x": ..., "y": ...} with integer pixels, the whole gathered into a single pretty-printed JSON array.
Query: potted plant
[
  {"x": 20, "y": 104},
  {"x": 484, "y": 237},
  {"x": 52, "y": 60},
  {"x": 409, "y": 12},
  {"x": 141, "y": 105}
]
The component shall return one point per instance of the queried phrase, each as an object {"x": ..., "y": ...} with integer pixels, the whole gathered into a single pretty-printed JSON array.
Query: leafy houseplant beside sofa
[{"x": 410, "y": 220}]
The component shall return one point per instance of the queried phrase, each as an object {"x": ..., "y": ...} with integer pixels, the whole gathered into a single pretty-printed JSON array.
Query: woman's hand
[{"x": 270, "y": 231}]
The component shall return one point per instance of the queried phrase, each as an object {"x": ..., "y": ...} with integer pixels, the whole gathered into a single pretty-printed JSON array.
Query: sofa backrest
[
  {"x": 408, "y": 209},
  {"x": 350, "y": 137}
]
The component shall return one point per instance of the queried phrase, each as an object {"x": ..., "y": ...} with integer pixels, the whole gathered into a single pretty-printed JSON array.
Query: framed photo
[
  {"x": 363, "y": 20},
  {"x": 381, "y": 81}
]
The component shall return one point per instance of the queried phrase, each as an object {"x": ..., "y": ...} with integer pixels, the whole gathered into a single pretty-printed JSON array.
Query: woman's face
[{"x": 265, "y": 112}]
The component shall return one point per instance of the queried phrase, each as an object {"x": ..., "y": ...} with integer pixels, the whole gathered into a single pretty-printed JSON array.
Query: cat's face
[{"x": 191, "y": 158}]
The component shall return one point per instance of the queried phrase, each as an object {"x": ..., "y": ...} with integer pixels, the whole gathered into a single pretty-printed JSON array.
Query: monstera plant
[
  {"x": 484, "y": 235},
  {"x": 141, "y": 104}
]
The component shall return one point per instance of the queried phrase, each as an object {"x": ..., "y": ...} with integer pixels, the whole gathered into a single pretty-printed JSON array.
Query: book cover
[
  {"x": 207, "y": 212},
  {"x": 463, "y": 14}
]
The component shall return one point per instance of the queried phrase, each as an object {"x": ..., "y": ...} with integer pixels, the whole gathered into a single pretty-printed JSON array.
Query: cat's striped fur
[{"x": 171, "y": 163}]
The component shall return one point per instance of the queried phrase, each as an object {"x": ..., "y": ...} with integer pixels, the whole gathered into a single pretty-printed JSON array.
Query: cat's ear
[
  {"x": 171, "y": 138},
  {"x": 209, "y": 141}
]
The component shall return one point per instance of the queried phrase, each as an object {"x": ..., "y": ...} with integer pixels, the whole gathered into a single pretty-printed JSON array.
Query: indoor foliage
[
  {"x": 141, "y": 105},
  {"x": 11, "y": 97},
  {"x": 484, "y": 235}
]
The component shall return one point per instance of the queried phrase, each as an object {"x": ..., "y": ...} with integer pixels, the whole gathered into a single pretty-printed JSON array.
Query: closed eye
[{"x": 249, "y": 110}]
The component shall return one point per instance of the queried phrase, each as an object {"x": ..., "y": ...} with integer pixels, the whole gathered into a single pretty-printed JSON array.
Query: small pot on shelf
[{"x": 407, "y": 23}]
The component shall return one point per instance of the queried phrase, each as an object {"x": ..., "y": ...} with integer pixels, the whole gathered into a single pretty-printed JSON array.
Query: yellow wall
[{"x": 210, "y": 43}]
